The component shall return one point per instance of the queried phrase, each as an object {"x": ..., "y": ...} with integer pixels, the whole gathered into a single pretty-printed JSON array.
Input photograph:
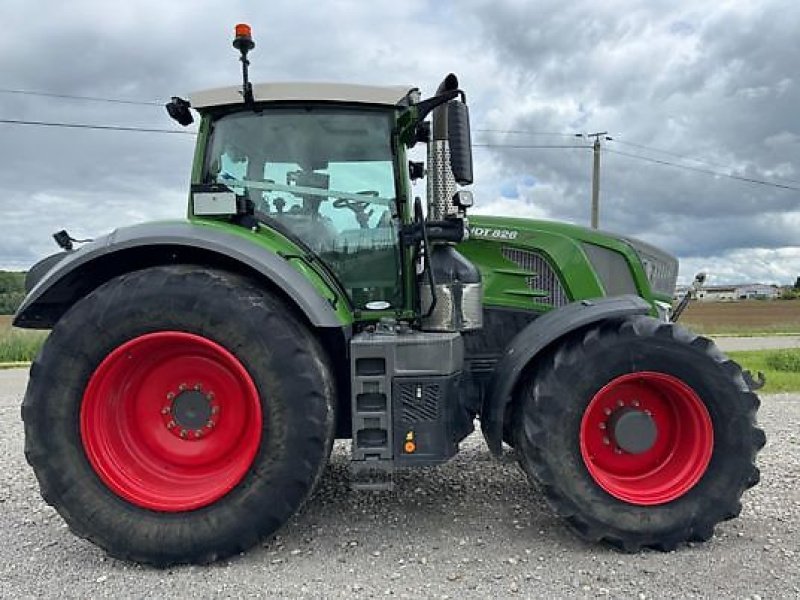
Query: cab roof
[{"x": 305, "y": 92}]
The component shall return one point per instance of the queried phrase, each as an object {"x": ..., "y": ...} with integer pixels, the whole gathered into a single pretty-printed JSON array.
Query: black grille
[
  {"x": 423, "y": 408},
  {"x": 545, "y": 281}
]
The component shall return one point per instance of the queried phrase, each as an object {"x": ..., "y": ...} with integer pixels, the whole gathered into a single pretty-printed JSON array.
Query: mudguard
[
  {"x": 59, "y": 281},
  {"x": 536, "y": 337}
]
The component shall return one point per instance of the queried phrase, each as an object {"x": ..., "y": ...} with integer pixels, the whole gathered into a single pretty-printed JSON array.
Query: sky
[{"x": 697, "y": 98}]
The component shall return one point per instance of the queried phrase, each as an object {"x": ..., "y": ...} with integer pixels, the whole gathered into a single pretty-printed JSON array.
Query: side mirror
[
  {"x": 458, "y": 134},
  {"x": 178, "y": 109}
]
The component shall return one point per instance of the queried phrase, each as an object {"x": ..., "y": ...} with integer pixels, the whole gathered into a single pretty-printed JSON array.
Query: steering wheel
[{"x": 359, "y": 207}]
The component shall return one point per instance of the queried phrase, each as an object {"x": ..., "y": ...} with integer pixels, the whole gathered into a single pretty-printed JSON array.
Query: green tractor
[{"x": 198, "y": 371}]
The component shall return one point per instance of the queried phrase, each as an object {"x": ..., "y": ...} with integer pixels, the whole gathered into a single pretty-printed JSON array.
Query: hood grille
[{"x": 545, "y": 280}]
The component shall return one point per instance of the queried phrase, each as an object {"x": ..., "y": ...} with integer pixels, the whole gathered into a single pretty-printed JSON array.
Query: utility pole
[{"x": 595, "y": 218}]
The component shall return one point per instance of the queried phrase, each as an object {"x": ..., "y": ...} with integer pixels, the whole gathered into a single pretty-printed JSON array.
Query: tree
[{"x": 12, "y": 291}]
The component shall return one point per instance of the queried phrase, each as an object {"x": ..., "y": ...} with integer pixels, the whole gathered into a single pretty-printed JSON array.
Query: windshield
[{"x": 327, "y": 175}]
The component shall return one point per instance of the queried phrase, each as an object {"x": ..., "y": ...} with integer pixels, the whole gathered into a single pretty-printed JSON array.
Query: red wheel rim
[
  {"x": 171, "y": 421},
  {"x": 679, "y": 455}
]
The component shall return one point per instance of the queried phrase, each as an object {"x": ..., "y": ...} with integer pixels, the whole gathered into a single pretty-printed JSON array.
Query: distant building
[
  {"x": 718, "y": 293},
  {"x": 732, "y": 293},
  {"x": 757, "y": 291}
]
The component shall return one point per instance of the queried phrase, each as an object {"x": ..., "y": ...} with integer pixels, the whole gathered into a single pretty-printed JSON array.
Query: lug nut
[
  {"x": 210, "y": 396},
  {"x": 165, "y": 410},
  {"x": 198, "y": 387},
  {"x": 636, "y": 403},
  {"x": 184, "y": 433},
  {"x": 602, "y": 425},
  {"x": 170, "y": 396},
  {"x": 171, "y": 424},
  {"x": 210, "y": 424},
  {"x": 182, "y": 387},
  {"x": 198, "y": 433},
  {"x": 606, "y": 441},
  {"x": 607, "y": 411},
  {"x": 214, "y": 410},
  {"x": 620, "y": 403}
]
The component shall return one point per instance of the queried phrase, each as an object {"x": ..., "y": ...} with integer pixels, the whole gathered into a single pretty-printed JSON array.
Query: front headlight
[{"x": 661, "y": 268}]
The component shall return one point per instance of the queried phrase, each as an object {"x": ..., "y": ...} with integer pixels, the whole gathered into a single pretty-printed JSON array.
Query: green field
[{"x": 18, "y": 345}]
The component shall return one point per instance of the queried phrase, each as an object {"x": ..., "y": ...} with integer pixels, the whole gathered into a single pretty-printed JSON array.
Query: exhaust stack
[
  {"x": 441, "y": 182},
  {"x": 454, "y": 302}
]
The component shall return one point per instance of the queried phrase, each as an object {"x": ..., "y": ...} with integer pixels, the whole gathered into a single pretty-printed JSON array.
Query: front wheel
[
  {"x": 178, "y": 414},
  {"x": 640, "y": 433}
]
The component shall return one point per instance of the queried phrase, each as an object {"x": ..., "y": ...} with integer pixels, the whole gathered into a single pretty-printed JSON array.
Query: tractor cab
[
  {"x": 319, "y": 170},
  {"x": 325, "y": 165}
]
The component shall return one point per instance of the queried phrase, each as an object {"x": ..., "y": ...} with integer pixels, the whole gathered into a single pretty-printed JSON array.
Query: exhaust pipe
[{"x": 441, "y": 183}]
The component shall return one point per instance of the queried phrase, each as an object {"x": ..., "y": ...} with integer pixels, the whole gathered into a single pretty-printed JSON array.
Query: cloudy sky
[{"x": 710, "y": 88}]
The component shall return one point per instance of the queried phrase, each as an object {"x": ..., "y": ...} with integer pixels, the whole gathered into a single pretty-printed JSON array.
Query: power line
[
  {"x": 88, "y": 126},
  {"x": 510, "y": 146},
  {"x": 157, "y": 130},
  {"x": 534, "y": 146},
  {"x": 706, "y": 171},
  {"x": 72, "y": 97},
  {"x": 685, "y": 157},
  {"x": 501, "y": 131},
  {"x": 521, "y": 132},
  {"x": 665, "y": 152}
]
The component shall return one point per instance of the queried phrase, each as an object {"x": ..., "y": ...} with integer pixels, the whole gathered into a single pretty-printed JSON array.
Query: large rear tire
[
  {"x": 640, "y": 434},
  {"x": 178, "y": 415}
]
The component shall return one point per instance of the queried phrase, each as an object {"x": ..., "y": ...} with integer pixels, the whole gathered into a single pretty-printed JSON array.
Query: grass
[
  {"x": 785, "y": 378},
  {"x": 18, "y": 345}
]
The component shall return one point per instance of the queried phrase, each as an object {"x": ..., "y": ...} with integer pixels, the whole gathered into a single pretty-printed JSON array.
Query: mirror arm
[{"x": 425, "y": 107}]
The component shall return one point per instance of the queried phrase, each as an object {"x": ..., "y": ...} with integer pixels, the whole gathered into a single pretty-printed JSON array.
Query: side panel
[
  {"x": 533, "y": 339},
  {"x": 158, "y": 243}
]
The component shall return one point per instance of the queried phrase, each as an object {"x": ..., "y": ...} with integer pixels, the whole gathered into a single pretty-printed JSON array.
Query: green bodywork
[{"x": 561, "y": 245}]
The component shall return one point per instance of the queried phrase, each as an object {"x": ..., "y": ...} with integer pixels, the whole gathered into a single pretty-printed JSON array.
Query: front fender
[
  {"x": 532, "y": 340},
  {"x": 77, "y": 273}
]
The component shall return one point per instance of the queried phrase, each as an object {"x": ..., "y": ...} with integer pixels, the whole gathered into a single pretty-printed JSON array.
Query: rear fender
[
  {"x": 537, "y": 337},
  {"x": 59, "y": 281}
]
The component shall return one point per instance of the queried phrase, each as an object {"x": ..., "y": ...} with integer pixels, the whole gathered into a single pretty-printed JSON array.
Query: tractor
[{"x": 199, "y": 370}]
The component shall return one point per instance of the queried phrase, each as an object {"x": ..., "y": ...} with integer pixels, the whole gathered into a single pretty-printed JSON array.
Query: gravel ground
[
  {"x": 473, "y": 528},
  {"x": 773, "y": 342}
]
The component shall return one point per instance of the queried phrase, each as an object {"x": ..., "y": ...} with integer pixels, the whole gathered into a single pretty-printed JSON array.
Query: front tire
[
  {"x": 178, "y": 415},
  {"x": 640, "y": 433}
]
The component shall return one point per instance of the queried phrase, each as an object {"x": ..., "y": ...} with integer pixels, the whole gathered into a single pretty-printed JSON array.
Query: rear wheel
[
  {"x": 178, "y": 415},
  {"x": 640, "y": 434}
]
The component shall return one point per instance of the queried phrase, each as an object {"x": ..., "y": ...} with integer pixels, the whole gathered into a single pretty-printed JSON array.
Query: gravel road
[
  {"x": 473, "y": 528},
  {"x": 771, "y": 342}
]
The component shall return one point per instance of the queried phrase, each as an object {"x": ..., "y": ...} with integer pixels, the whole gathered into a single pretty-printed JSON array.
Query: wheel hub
[
  {"x": 634, "y": 431},
  {"x": 190, "y": 414},
  {"x": 191, "y": 409}
]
